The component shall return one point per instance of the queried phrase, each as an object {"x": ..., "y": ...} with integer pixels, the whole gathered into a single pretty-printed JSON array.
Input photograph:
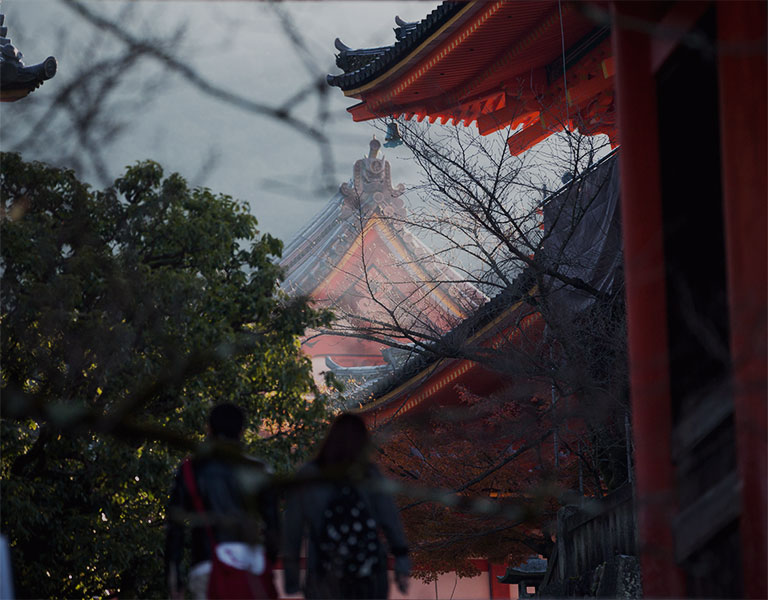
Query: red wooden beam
[
  {"x": 511, "y": 115},
  {"x": 586, "y": 90},
  {"x": 530, "y": 136}
]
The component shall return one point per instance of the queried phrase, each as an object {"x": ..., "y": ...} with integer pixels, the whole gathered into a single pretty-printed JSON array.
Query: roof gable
[{"x": 360, "y": 240}]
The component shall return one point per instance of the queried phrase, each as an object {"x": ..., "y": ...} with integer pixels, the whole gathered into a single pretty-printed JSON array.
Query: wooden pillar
[
  {"x": 742, "y": 70},
  {"x": 498, "y": 590},
  {"x": 646, "y": 300}
]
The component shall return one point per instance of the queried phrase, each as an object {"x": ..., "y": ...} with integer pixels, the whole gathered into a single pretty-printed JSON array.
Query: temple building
[
  {"x": 681, "y": 87},
  {"x": 358, "y": 257},
  {"x": 431, "y": 381}
]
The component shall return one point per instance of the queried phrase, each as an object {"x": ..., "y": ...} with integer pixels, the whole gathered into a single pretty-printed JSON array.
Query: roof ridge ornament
[
  {"x": 374, "y": 146},
  {"x": 403, "y": 28},
  {"x": 340, "y": 45},
  {"x": 17, "y": 80},
  {"x": 371, "y": 185}
]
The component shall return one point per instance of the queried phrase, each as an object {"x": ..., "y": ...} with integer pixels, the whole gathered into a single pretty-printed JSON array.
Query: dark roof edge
[
  {"x": 521, "y": 285},
  {"x": 391, "y": 55}
]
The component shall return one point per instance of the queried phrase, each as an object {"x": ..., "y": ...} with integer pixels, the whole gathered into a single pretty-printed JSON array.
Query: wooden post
[
  {"x": 742, "y": 82},
  {"x": 498, "y": 590},
  {"x": 646, "y": 300}
]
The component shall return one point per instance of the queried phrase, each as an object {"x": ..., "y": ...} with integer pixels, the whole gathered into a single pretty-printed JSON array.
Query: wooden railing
[{"x": 589, "y": 536}]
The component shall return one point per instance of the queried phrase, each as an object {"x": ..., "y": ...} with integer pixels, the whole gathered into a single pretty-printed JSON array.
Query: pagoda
[{"x": 358, "y": 257}]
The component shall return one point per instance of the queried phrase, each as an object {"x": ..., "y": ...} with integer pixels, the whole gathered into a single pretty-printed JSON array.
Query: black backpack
[{"x": 349, "y": 538}]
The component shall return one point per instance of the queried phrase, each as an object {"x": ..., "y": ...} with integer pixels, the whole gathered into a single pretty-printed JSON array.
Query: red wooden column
[
  {"x": 646, "y": 300},
  {"x": 742, "y": 80},
  {"x": 498, "y": 590}
]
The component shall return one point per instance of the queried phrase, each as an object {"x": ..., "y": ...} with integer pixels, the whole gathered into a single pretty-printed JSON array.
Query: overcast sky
[{"x": 240, "y": 46}]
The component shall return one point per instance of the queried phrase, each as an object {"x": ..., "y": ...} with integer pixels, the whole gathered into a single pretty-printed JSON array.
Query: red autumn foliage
[{"x": 500, "y": 449}]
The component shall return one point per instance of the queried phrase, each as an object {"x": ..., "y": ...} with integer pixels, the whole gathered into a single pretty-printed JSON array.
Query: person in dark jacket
[
  {"x": 219, "y": 480},
  {"x": 342, "y": 464}
]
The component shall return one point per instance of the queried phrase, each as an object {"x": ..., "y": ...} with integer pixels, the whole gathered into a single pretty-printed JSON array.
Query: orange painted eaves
[
  {"x": 531, "y": 135},
  {"x": 454, "y": 371},
  {"x": 490, "y": 9},
  {"x": 511, "y": 53}
]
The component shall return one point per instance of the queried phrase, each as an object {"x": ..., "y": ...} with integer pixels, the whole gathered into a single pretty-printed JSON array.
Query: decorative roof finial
[
  {"x": 16, "y": 80},
  {"x": 340, "y": 45},
  {"x": 374, "y": 145},
  {"x": 371, "y": 175}
]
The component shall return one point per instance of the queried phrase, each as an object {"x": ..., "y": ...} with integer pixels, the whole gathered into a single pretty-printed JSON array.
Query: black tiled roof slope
[{"x": 364, "y": 65}]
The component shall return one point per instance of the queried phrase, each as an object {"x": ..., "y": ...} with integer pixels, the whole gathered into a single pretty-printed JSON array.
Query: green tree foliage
[{"x": 131, "y": 309}]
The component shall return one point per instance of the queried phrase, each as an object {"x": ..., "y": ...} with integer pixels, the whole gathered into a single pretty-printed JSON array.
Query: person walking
[
  {"x": 341, "y": 514},
  {"x": 228, "y": 557}
]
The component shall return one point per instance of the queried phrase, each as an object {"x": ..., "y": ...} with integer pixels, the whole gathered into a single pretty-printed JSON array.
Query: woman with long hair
[{"x": 342, "y": 514}]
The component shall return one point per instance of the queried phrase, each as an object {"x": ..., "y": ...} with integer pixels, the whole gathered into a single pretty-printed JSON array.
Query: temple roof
[
  {"x": 423, "y": 375},
  {"x": 316, "y": 249},
  {"x": 17, "y": 80},
  {"x": 497, "y": 63},
  {"x": 314, "y": 254},
  {"x": 358, "y": 257},
  {"x": 446, "y": 51},
  {"x": 407, "y": 36},
  {"x": 397, "y": 382},
  {"x": 531, "y": 570}
]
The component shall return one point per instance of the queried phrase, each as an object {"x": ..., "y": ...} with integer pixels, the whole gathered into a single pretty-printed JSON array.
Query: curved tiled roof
[
  {"x": 315, "y": 251},
  {"x": 531, "y": 570},
  {"x": 517, "y": 291},
  {"x": 418, "y": 362},
  {"x": 368, "y": 63}
]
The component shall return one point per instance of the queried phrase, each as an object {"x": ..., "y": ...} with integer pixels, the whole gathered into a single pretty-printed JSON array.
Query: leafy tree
[{"x": 125, "y": 314}]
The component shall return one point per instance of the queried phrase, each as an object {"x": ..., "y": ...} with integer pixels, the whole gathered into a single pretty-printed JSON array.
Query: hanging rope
[{"x": 565, "y": 82}]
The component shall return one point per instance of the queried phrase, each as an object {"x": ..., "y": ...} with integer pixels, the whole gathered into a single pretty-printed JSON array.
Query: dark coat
[
  {"x": 304, "y": 520},
  {"x": 220, "y": 484}
]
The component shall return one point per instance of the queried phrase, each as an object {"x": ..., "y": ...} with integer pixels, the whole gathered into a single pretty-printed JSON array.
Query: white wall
[{"x": 449, "y": 587}]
